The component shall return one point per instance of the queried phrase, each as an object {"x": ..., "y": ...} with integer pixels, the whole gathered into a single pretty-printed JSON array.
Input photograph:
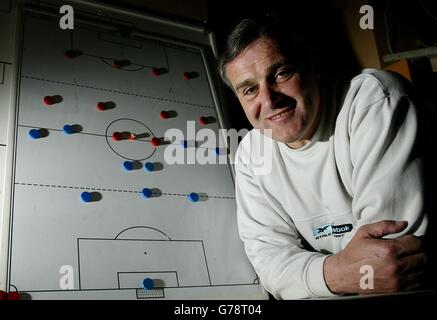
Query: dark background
[
  {"x": 318, "y": 21},
  {"x": 331, "y": 25}
]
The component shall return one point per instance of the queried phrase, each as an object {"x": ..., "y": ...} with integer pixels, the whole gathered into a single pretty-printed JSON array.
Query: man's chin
[
  {"x": 290, "y": 137},
  {"x": 279, "y": 138},
  {"x": 284, "y": 140}
]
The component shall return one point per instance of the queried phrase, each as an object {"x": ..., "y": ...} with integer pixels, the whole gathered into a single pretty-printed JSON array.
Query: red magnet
[
  {"x": 187, "y": 76},
  {"x": 190, "y": 75},
  {"x": 120, "y": 63},
  {"x": 203, "y": 121},
  {"x": 101, "y": 106},
  {"x": 49, "y": 100},
  {"x": 155, "y": 141},
  {"x": 164, "y": 115},
  {"x": 14, "y": 295},
  {"x": 117, "y": 136},
  {"x": 156, "y": 72},
  {"x": 71, "y": 54}
]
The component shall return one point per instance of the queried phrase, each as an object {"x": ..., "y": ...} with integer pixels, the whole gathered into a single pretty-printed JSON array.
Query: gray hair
[{"x": 292, "y": 45}]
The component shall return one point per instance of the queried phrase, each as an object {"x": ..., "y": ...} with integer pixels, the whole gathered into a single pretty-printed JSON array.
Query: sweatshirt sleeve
[
  {"x": 386, "y": 177},
  {"x": 273, "y": 245}
]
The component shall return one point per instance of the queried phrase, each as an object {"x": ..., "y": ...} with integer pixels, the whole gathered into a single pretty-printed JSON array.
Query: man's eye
[
  {"x": 283, "y": 74},
  {"x": 249, "y": 91}
]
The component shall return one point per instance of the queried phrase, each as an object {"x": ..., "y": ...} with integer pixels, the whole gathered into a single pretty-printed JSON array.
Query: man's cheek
[{"x": 251, "y": 113}]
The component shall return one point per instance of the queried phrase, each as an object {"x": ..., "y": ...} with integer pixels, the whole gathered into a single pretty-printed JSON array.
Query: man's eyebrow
[
  {"x": 270, "y": 69},
  {"x": 243, "y": 84},
  {"x": 277, "y": 65}
]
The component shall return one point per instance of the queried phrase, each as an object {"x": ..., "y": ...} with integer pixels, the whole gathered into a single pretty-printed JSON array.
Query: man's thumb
[{"x": 383, "y": 228}]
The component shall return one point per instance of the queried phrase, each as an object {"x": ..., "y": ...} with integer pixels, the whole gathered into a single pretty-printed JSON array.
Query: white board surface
[{"x": 190, "y": 250}]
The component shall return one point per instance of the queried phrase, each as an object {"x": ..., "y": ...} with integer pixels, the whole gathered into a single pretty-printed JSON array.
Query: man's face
[{"x": 273, "y": 95}]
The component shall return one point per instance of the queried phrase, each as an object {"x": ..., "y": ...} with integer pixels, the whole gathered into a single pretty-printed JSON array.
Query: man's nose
[{"x": 268, "y": 97}]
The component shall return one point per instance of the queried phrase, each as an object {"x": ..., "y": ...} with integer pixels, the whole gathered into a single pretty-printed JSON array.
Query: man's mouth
[{"x": 281, "y": 115}]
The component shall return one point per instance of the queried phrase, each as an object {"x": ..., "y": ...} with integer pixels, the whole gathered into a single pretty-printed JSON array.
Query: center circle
[{"x": 138, "y": 149}]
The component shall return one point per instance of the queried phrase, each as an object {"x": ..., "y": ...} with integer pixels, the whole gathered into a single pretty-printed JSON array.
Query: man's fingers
[
  {"x": 383, "y": 228},
  {"x": 408, "y": 245},
  {"x": 412, "y": 286},
  {"x": 413, "y": 263},
  {"x": 412, "y": 281}
]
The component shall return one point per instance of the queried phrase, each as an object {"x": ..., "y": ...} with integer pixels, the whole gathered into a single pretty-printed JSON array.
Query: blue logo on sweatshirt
[
  {"x": 319, "y": 231},
  {"x": 329, "y": 229}
]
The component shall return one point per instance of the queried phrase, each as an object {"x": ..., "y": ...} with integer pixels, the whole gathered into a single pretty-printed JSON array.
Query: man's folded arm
[{"x": 386, "y": 178}]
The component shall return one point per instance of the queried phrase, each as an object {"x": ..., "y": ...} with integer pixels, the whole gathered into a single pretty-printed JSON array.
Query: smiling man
[
  {"x": 263, "y": 77},
  {"x": 345, "y": 190}
]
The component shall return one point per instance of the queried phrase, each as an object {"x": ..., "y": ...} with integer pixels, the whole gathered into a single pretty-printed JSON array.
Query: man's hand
[{"x": 397, "y": 264}]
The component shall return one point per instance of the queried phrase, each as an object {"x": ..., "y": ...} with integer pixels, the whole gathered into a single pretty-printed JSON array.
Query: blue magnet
[
  {"x": 68, "y": 129},
  {"x": 193, "y": 197},
  {"x": 86, "y": 196},
  {"x": 147, "y": 193},
  {"x": 34, "y": 133},
  {"x": 128, "y": 165},
  {"x": 148, "y": 284},
  {"x": 148, "y": 166},
  {"x": 184, "y": 144}
]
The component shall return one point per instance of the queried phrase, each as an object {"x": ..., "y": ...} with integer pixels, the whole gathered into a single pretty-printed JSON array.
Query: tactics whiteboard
[{"x": 95, "y": 207}]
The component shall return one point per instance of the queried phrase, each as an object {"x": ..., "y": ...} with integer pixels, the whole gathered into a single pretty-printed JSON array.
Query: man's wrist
[
  {"x": 315, "y": 277},
  {"x": 331, "y": 273}
]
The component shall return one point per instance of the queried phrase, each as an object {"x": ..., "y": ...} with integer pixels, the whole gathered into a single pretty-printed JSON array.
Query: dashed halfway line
[
  {"x": 220, "y": 197},
  {"x": 72, "y": 187},
  {"x": 200, "y": 195},
  {"x": 118, "y": 92},
  {"x": 115, "y": 190}
]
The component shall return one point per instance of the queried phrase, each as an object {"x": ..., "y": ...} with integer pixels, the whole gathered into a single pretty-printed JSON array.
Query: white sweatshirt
[{"x": 359, "y": 168}]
